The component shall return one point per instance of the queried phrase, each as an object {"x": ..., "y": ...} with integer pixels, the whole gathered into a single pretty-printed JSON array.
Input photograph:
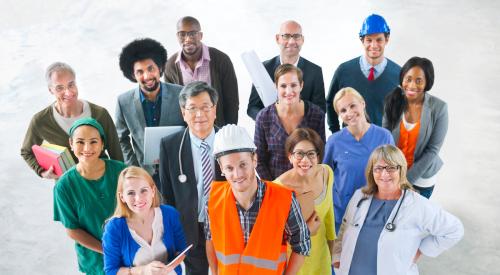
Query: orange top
[
  {"x": 265, "y": 252},
  {"x": 408, "y": 141}
]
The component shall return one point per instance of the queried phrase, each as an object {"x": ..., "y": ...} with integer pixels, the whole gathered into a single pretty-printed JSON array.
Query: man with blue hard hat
[{"x": 372, "y": 74}]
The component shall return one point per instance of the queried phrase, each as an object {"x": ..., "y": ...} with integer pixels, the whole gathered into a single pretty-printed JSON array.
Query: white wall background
[{"x": 460, "y": 37}]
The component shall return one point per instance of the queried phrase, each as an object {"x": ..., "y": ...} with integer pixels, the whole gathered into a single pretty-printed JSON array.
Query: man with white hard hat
[
  {"x": 250, "y": 219},
  {"x": 372, "y": 74}
]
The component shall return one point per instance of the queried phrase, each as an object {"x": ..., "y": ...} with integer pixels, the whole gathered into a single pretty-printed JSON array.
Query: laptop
[{"x": 152, "y": 139}]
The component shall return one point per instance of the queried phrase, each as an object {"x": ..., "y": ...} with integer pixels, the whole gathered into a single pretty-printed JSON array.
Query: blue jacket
[{"x": 120, "y": 248}]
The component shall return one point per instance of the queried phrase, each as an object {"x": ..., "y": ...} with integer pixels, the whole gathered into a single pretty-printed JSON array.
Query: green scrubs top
[{"x": 85, "y": 204}]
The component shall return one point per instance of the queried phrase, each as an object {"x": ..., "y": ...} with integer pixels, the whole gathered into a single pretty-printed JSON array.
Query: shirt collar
[
  {"x": 197, "y": 141},
  {"x": 143, "y": 98},
  {"x": 366, "y": 66},
  {"x": 296, "y": 63},
  {"x": 205, "y": 54}
]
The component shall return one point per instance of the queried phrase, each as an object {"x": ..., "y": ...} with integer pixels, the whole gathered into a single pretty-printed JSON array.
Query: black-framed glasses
[
  {"x": 389, "y": 168},
  {"x": 183, "y": 34},
  {"x": 288, "y": 36},
  {"x": 195, "y": 110},
  {"x": 311, "y": 155}
]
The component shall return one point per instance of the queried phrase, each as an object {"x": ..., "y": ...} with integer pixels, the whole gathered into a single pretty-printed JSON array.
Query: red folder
[{"x": 47, "y": 158}]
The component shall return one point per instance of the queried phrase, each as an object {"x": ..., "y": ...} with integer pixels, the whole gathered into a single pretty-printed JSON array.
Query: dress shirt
[
  {"x": 365, "y": 66},
  {"x": 198, "y": 169},
  {"x": 202, "y": 70}
]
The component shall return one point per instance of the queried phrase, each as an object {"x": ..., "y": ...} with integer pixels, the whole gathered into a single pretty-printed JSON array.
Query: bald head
[
  {"x": 290, "y": 24},
  {"x": 188, "y": 20},
  {"x": 290, "y": 40}
]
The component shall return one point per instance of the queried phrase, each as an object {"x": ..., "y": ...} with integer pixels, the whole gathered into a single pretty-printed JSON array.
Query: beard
[{"x": 152, "y": 88}]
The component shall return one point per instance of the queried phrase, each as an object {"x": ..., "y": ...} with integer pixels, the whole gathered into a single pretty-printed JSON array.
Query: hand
[
  {"x": 49, "y": 174},
  {"x": 313, "y": 223},
  {"x": 417, "y": 256},
  {"x": 336, "y": 264},
  {"x": 155, "y": 268}
]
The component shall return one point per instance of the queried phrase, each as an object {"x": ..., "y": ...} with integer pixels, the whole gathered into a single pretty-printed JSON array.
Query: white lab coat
[{"x": 420, "y": 224}]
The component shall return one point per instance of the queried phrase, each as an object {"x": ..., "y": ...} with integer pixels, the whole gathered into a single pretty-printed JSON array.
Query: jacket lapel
[
  {"x": 424, "y": 125},
  {"x": 138, "y": 109},
  {"x": 166, "y": 98}
]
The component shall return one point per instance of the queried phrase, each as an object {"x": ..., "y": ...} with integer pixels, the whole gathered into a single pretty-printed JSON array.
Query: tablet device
[
  {"x": 152, "y": 138},
  {"x": 180, "y": 258}
]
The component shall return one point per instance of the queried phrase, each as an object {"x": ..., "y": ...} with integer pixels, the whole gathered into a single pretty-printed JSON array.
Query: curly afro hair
[{"x": 141, "y": 49}]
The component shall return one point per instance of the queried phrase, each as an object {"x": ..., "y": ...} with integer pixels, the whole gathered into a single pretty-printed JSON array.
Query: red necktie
[{"x": 371, "y": 76}]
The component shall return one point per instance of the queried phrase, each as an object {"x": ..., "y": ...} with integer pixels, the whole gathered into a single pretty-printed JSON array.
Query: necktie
[
  {"x": 206, "y": 165},
  {"x": 371, "y": 75}
]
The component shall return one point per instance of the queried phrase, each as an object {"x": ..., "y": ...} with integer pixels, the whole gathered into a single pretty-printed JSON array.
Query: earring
[{"x": 222, "y": 174}]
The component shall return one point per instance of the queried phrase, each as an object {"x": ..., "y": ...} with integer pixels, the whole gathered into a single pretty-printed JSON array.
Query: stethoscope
[
  {"x": 390, "y": 226},
  {"x": 182, "y": 177}
]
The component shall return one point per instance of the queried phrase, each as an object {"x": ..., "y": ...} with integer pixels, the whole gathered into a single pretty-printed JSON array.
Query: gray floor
[{"x": 460, "y": 37}]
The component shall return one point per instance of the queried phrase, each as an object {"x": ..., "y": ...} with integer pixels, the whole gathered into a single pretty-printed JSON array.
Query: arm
[
  {"x": 212, "y": 259},
  {"x": 254, "y": 104},
  {"x": 444, "y": 229},
  {"x": 165, "y": 185},
  {"x": 297, "y": 231},
  {"x": 294, "y": 263},
  {"x": 112, "y": 143},
  {"x": 31, "y": 138},
  {"x": 124, "y": 137},
  {"x": 229, "y": 88},
  {"x": 85, "y": 239},
  {"x": 318, "y": 90},
  {"x": 333, "y": 119},
  {"x": 262, "y": 149},
  {"x": 432, "y": 148}
]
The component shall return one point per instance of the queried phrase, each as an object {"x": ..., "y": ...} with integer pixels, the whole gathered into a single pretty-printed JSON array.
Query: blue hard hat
[{"x": 374, "y": 24}]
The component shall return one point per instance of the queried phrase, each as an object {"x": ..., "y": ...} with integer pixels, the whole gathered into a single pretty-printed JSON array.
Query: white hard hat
[{"x": 231, "y": 139}]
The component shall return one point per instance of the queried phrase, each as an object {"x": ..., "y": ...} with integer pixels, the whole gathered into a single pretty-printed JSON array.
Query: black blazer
[
  {"x": 313, "y": 91},
  {"x": 182, "y": 196}
]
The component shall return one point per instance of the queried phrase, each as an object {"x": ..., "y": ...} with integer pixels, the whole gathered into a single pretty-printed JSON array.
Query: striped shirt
[{"x": 296, "y": 231}]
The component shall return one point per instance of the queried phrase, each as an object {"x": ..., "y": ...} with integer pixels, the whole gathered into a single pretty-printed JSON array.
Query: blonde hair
[
  {"x": 391, "y": 155},
  {"x": 346, "y": 91},
  {"x": 133, "y": 172}
]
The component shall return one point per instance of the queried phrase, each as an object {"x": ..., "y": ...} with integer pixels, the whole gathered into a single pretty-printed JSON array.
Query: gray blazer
[
  {"x": 433, "y": 128},
  {"x": 130, "y": 121}
]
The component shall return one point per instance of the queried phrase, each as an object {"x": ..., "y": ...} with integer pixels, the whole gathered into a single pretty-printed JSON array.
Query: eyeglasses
[
  {"x": 183, "y": 34},
  {"x": 287, "y": 36},
  {"x": 299, "y": 155},
  {"x": 389, "y": 168},
  {"x": 195, "y": 110},
  {"x": 61, "y": 88}
]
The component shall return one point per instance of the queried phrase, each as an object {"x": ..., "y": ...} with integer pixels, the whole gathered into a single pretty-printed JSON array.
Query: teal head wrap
[{"x": 90, "y": 122}]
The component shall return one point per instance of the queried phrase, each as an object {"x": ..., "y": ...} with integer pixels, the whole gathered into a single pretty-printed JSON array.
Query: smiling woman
[
  {"x": 277, "y": 121},
  {"x": 419, "y": 122},
  {"x": 84, "y": 195},
  {"x": 142, "y": 236}
]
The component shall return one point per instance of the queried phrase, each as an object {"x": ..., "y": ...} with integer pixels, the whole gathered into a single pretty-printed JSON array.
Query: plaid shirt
[
  {"x": 296, "y": 231},
  {"x": 270, "y": 137},
  {"x": 202, "y": 70}
]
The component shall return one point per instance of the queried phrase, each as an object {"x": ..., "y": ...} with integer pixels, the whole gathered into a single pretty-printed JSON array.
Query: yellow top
[{"x": 320, "y": 260}]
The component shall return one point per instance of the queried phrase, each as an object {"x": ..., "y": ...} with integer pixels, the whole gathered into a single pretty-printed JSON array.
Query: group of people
[{"x": 288, "y": 201}]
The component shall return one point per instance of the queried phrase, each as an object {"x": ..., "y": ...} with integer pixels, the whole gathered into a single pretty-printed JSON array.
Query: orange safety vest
[{"x": 265, "y": 252}]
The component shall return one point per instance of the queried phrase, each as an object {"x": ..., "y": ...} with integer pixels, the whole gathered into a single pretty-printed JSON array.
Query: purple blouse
[{"x": 270, "y": 137}]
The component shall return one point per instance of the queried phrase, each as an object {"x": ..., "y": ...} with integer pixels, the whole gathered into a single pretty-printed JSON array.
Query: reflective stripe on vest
[{"x": 250, "y": 260}]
